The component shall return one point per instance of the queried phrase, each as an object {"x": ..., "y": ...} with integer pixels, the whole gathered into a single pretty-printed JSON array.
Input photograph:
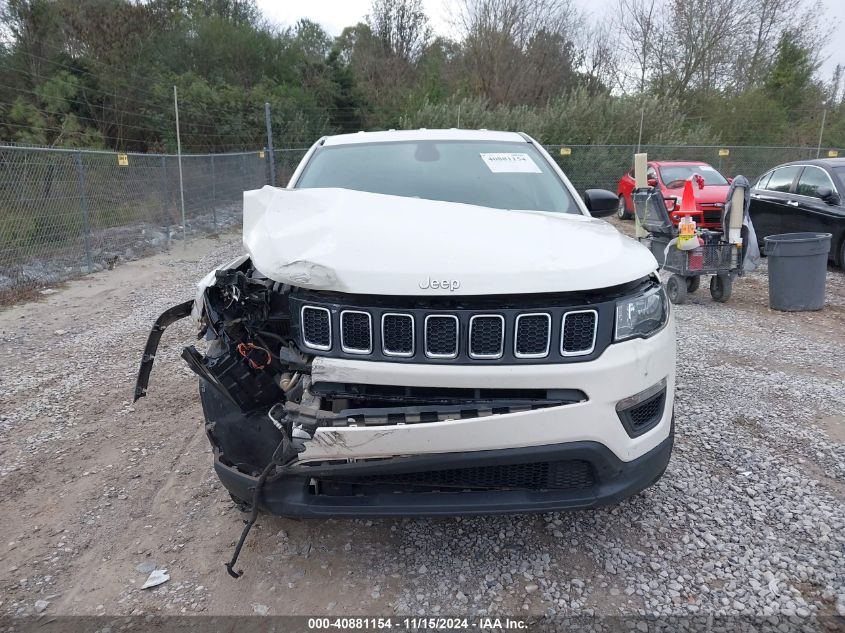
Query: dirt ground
[{"x": 92, "y": 486}]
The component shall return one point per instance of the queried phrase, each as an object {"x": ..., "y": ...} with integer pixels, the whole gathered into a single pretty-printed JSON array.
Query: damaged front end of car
[
  {"x": 337, "y": 384},
  {"x": 254, "y": 382}
]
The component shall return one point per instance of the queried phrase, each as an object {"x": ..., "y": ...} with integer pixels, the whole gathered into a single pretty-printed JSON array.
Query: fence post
[
  {"x": 83, "y": 203},
  {"x": 821, "y": 133},
  {"x": 213, "y": 195},
  {"x": 270, "y": 144},
  {"x": 165, "y": 197}
]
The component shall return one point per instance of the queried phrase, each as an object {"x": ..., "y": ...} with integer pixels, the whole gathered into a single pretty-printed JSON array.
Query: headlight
[{"x": 642, "y": 315}]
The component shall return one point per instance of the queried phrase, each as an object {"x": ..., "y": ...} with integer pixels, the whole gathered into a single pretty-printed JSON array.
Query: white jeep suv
[{"x": 431, "y": 322}]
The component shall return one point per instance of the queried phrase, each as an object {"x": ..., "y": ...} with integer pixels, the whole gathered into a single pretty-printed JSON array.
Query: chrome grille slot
[
  {"x": 397, "y": 334},
  {"x": 532, "y": 335},
  {"x": 316, "y": 327},
  {"x": 578, "y": 333},
  {"x": 356, "y": 332},
  {"x": 486, "y": 336},
  {"x": 441, "y": 336}
]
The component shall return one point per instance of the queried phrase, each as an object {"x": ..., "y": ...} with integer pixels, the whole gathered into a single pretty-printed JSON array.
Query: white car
[{"x": 430, "y": 322}]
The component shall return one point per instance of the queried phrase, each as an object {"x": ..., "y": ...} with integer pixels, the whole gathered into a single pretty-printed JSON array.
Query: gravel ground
[{"x": 748, "y": 520}]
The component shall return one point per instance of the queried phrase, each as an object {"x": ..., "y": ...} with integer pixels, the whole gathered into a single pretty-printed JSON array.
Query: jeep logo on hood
[{"x": 440, "y": 284}]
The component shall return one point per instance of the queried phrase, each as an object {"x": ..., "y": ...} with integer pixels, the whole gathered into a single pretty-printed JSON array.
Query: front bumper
[
  {"x": 624, "y": 369},
  {"x": 294, "y": 495},
  {"x": 387, "y": 470}
]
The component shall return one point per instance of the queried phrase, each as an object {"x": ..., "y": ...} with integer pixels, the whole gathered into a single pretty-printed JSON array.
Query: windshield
[
  {"x": 840, "y": 172},
  {"x": 490, "y": 174},
  {"x": 676, "y": 174}
]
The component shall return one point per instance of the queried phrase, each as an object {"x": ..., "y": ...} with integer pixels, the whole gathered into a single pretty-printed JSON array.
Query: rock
[
  {"x": 41, "y": 606},
  {"x": 260, "y": 609},
  {"x": 531, "y": 588}
]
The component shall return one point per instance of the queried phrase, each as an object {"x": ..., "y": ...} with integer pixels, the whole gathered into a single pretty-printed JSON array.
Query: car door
[
  {"x": 770, "y": 201},
  {"x": 809, "y": 212},
  {"x": 626, "y": 188}
]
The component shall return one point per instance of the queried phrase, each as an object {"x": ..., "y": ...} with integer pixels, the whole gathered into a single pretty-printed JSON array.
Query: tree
[
  {"x": 401, "y": 29},
  {"x": 101, "y": 72},
  {"x": 638, "y": 24},
  {"x": 790, "y": 80},
  {"x": 385, "y": 55},
  {"x": 518, "y": 51}
]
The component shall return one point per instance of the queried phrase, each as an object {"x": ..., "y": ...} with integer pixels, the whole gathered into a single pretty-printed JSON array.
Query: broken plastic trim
[
  {"x": 283, "y": 456},
  {"x": 168, "y": 317}
]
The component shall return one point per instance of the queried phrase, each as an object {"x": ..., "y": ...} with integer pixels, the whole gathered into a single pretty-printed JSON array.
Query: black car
[{"x": 802, "y": 196}]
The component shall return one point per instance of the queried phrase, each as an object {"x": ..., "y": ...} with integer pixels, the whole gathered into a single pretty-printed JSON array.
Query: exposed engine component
[{"x": 253, "y": 362}]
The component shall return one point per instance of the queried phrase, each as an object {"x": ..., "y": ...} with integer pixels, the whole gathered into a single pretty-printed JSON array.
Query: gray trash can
[{"x": 797, "y": 269}]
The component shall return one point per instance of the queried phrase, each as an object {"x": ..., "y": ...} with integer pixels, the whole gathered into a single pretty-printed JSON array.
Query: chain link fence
[{"x": 64, "y": 213}]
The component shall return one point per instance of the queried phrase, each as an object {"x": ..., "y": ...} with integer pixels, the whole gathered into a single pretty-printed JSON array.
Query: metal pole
[
  {"x": 213, "y": 195},
  {"x": 83, "y": 202},
  {"x": 459, "y": 116},
  {"x": 270, "y": 145},
  {"x": 640, "y": 138},
  {"x": 179, "y": 154},
  {"x": 821, "y": 133}
]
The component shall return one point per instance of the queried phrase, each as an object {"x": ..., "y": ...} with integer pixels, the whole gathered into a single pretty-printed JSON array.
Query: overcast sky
[{"x": 334, "y": 15}]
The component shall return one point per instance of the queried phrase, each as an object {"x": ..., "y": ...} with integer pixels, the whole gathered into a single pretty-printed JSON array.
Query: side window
[
  {"x": 811, "y": 179},
  {"x": 764, "y": 180},
  {"x": 782, "y": 178}
]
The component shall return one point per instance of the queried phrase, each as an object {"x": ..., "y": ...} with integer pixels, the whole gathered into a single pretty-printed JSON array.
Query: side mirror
[
  {"x": 601, "y": 202},
  {"x": 652, "y": 182},
  {"x": 827, "y": 195}
]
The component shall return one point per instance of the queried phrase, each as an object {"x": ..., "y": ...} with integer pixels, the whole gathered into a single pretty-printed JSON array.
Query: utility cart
[{"x": 713, "y": 255}]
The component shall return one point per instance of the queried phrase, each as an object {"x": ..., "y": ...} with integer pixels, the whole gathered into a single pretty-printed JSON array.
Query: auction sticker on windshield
[{"x": 506, "y": 162}]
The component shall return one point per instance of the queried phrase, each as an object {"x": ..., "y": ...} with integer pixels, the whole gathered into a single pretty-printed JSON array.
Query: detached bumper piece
[
  {"x": 168, "y": 317},
  {"x": 568, "y": 476}
]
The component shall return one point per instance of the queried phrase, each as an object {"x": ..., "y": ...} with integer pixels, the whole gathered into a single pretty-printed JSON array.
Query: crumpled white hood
[{"x": 365, "y": 243}]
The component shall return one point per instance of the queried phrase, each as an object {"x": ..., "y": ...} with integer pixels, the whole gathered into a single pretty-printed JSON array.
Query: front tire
[
  {"x": 622, "y": 210},
  {"x": 721, "y": 287},
  {"x": 676, "y": 289},
  {"x": 693, "y": 283}
]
